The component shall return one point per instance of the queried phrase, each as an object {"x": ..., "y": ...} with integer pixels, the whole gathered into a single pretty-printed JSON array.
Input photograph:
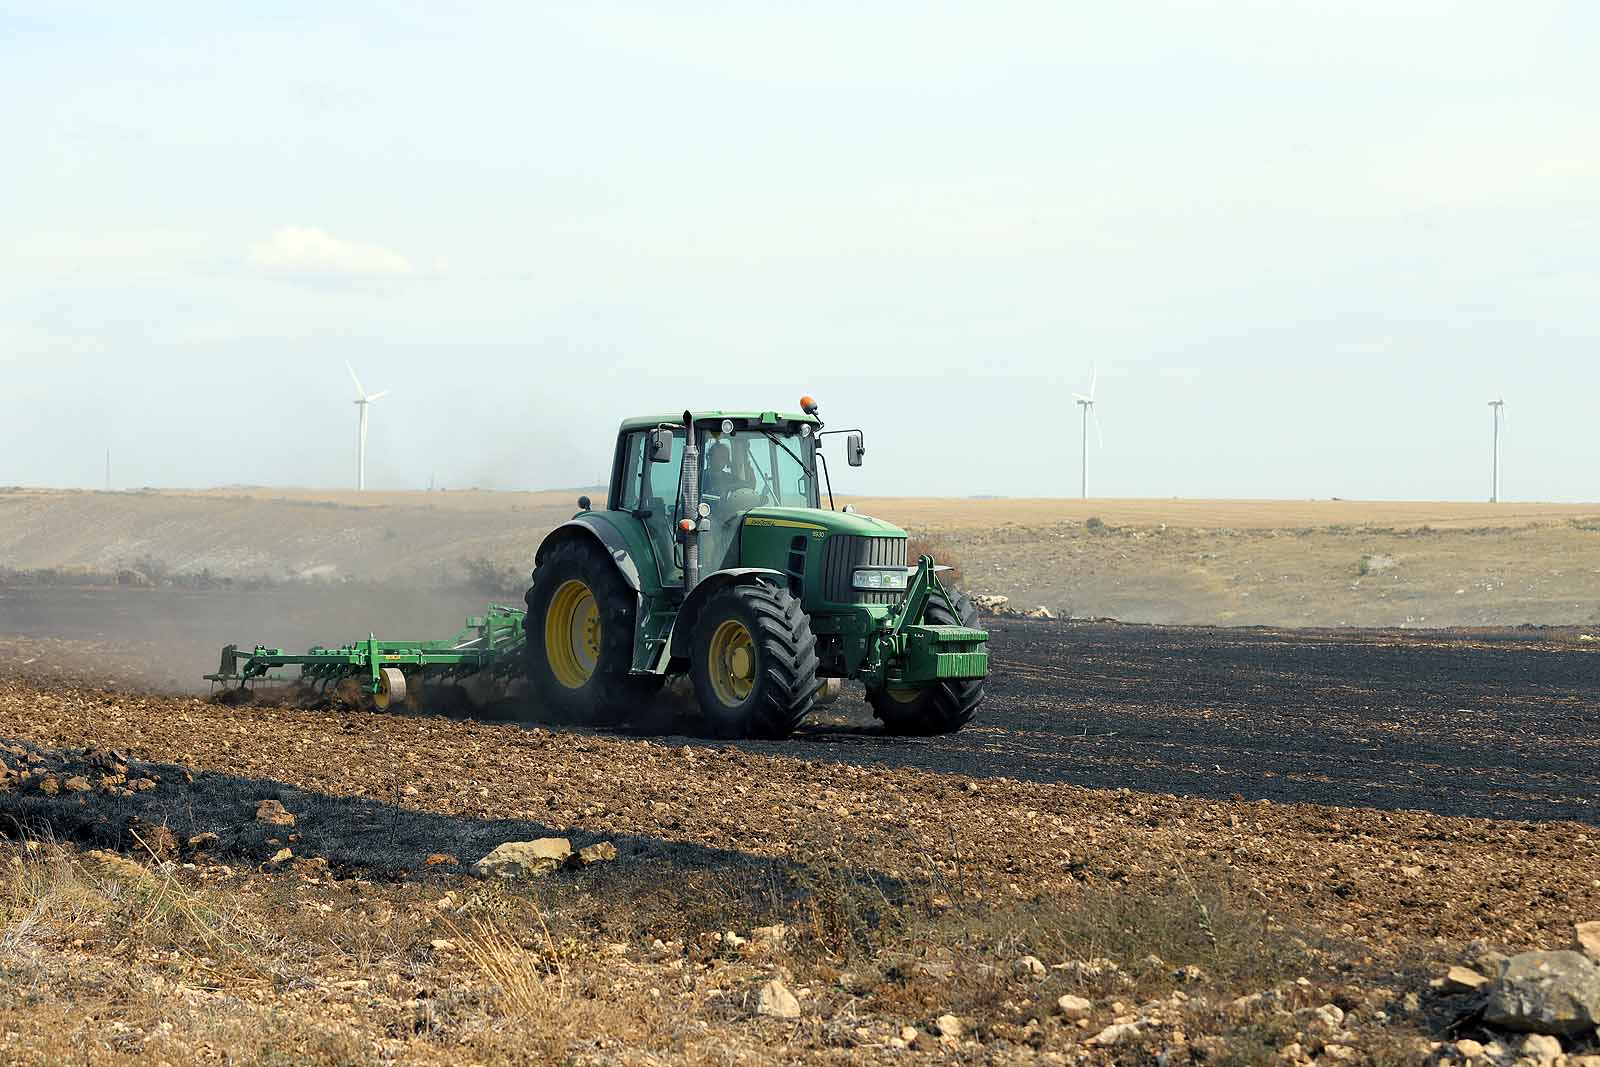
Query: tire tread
[
  {"x": 612, "y": 693},
  {"x": 787, "y": 685}
]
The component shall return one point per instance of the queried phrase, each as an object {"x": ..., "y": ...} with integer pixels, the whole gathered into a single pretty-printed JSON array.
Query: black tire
[
  {"x": 610, "y": 694},
  {"x": 941, "y": 708},
  {"x": 782, "y": 676}
]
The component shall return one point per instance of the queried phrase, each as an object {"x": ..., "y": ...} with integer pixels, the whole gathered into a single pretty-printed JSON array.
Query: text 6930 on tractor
[{"x": 714, "y": 556}]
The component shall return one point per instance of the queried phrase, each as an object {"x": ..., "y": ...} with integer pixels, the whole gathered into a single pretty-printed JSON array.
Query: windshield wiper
[{"x": 779, "y": 442}]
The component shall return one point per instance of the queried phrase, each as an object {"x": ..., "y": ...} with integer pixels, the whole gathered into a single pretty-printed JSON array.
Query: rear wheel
[
  {"x": 754, "y": 663},
  {"x": 940, "y": 708},
  {"x": 579, "y": 630}
]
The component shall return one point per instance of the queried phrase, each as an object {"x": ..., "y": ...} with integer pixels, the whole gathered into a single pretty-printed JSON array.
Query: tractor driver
[{"x": 720, "y": 478}]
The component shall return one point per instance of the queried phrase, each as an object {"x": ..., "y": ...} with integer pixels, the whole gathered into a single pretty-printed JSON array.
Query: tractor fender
[
  {"x": 689, "y": 614},
  {"x": 605, "y": 535}
]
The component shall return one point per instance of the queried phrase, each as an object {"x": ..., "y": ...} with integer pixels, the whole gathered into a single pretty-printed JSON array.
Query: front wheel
[
  {"x": 940, "y": 708},
  {"x": 754, "y": 663}
]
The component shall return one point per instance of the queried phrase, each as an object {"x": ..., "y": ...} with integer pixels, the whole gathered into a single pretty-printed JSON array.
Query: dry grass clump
[
  {"x": 525, "y": 984},
  {"x": 49, "y": 893},
  {"x": 621, "y": 963}
]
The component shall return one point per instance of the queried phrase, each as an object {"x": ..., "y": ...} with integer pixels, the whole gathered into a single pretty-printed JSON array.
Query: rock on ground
[
  {"x": 524, "y": 859},
  {"x": 604, "y": 852},
  {"x": 776, "y": 1001},
  {"x": 1541, "y": 1048},
  {"x": 1546, "y": 993},
  {"x": 1073, "y": 1007},
  {"x": 272, "y": 813},
  {"x": 770, "y": 936},
  {"x": 1116, "y": 1033},
  {"x": 1587, "y": 937},
  {"x": 1462, "y": 980},
  {"x": 990, "y": 603}
]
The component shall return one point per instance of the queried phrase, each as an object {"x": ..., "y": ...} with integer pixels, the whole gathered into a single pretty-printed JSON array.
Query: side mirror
[
  {"x": 584, "y": 504},
  {"x": 854, "y": 449},
  {"x": 660, "y": 446}
]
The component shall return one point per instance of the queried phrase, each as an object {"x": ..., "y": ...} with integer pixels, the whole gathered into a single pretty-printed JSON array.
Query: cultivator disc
[{"x": 476, "y": 667}]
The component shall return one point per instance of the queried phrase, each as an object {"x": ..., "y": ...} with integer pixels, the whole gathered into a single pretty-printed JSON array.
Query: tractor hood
[{"x": 832, "y": 522}]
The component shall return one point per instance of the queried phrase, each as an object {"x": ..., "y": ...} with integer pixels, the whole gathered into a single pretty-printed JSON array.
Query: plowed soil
[
  {"x": 1337, "y": 739},
  {"x": 1400, "y": 793}
]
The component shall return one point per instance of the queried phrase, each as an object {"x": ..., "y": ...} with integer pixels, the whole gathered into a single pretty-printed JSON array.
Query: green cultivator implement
[
  {"x": 486, "y": 654},
  {"x": 713, "y": 558}
]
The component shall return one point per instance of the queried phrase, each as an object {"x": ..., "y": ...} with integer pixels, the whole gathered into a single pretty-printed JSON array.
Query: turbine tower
[
  {"x": 1498, "y": 408},
  {"x": 1087, "y": 404},
  {"x": 363, "y": 401}
]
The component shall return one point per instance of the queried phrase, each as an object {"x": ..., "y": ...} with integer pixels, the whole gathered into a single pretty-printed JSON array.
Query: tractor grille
[{"x": 844, "y": 553}]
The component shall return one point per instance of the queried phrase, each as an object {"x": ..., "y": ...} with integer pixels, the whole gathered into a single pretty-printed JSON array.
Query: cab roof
[{"x": 769, "y": 418}]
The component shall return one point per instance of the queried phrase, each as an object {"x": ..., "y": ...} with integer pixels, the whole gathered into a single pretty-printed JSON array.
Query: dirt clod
[{"x": 272, "y": 813}]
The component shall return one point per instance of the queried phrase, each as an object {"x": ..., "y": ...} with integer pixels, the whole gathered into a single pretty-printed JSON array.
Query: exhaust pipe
[{"x": 689, "y": 514}]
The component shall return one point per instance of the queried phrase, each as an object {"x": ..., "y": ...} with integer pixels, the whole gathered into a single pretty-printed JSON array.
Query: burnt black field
[
  {"x": 1502, "y": 724},
  {"x": 1497, "y": 724}
]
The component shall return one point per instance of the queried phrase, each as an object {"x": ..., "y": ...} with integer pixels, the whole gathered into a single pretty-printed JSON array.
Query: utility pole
[{"x": 1496, "y": 411}]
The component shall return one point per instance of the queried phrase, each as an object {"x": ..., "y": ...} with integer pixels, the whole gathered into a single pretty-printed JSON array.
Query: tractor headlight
[{"x": 875, "y": 580}]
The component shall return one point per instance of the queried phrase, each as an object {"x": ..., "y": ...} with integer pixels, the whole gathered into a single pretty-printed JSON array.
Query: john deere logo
[{"x": 757, "y": 520}]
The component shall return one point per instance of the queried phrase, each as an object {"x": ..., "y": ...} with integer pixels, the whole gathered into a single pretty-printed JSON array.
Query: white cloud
[{"x": 305, "y": 251}]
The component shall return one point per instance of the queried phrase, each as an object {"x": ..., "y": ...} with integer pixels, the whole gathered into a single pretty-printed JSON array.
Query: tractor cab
[{"x": 742, "y": 461}]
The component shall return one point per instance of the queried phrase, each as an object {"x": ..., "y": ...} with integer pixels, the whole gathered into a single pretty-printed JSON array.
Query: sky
[{"x": 1300, "y": 245}]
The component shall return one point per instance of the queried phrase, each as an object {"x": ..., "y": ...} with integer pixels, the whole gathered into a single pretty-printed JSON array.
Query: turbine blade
[
  {"x": 1085, "y": 399},
  {"x": 377, "y": 396},
  {"x": 1097, "y": 434},
  {"x": 359, "y": 391},
  {"x": 1094, "y": 379}
]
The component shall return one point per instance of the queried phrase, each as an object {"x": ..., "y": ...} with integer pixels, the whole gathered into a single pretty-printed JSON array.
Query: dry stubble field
[{"x": 1273, "y": 563}]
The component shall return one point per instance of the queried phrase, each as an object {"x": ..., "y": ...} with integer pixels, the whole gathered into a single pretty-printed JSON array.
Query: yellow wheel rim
[
  {"x": 572, "y": 634},
  {"x": 732, "y": 662},
  {"x": 903, "y": 696}
]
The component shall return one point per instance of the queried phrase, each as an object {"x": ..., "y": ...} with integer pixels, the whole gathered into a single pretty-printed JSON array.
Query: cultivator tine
[{"x": 379, "y": 674}]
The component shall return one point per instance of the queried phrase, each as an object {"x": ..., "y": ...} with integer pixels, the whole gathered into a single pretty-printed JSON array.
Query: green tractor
[{"x": 715, "y": 557}]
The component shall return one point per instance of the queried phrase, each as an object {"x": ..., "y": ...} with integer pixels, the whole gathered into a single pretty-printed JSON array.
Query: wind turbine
[
  {"x": 1087, "y": 404},
  {"x": 1499, "y": 413},
  {"x": 363, "y": 401}
]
